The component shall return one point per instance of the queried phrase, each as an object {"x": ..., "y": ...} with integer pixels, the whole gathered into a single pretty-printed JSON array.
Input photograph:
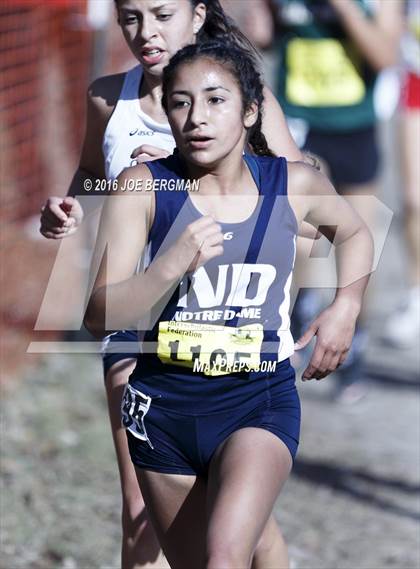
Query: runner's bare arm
[
  {"x": 378, "y": 37},
  {"x": 313, "y": 198},
  {"x": 120, "y": 298},
  {"x": 147, "y": 153},
  {"x": 121, "y": 239},
  {"x": 60, "y": 217},
  {"x": 102, "y": 97}
]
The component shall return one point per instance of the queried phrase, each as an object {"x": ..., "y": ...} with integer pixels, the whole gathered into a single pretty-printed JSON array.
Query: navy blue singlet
[{"x": 215, "y": 356}]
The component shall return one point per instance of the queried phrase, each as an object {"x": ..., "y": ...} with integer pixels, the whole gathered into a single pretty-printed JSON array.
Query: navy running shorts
[
  {"x": 177, "y": 431},
  {"x": 113, "y": 348}
]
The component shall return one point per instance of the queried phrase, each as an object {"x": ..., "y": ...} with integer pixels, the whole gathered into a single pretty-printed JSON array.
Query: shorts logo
[
  {"x": 228, "y": 236},
  {"x": 134, "y": 407}
]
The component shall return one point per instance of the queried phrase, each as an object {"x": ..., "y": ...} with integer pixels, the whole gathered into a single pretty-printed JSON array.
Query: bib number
[
  {"x": 210, "y": 349},
  {"x": 321, "y": 73}
]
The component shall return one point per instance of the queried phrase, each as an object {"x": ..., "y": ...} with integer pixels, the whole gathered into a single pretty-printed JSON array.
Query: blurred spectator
[
  {"x": 403, "y": 328},
  {"x": 254, "y": 19},
  {"x": 331, "y": 52}
]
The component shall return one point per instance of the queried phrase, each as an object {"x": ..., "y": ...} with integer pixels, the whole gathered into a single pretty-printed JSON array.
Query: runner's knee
[{"x": 228, "y": 557}]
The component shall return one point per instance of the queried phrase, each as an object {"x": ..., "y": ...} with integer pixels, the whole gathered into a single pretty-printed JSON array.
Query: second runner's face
[
  {"x": 204, "y": 105},
  {"x": 156, "y": 29}
]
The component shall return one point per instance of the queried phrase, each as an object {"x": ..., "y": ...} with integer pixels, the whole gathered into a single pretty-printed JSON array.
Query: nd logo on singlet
[{"x": 217, "y": 349}]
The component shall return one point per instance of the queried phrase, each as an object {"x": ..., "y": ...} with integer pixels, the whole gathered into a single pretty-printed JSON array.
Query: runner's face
[
  {"x": 156, "y": 29},
  {"x": 205, "y": 111}
]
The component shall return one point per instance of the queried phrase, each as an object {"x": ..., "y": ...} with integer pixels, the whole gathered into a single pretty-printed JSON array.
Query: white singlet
[{"x": 129, "y": 127}]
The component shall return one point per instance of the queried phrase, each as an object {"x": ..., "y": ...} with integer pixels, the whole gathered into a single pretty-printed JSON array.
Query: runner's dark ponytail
[{"x": 242, "y": 66}]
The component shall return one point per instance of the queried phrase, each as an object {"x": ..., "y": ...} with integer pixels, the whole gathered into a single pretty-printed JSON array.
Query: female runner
[
  {"x": 126, "y": 122},
  {"x": 211, "y": 410}
]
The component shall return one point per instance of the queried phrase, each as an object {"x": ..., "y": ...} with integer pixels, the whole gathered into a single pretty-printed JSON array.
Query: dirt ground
[{"x": 352, "y": 500}]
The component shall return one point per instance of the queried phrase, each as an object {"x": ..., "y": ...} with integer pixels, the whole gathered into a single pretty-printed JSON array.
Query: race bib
[
  {"x": 321, "y": 74},
  {"x": 210, "y": 349}
]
